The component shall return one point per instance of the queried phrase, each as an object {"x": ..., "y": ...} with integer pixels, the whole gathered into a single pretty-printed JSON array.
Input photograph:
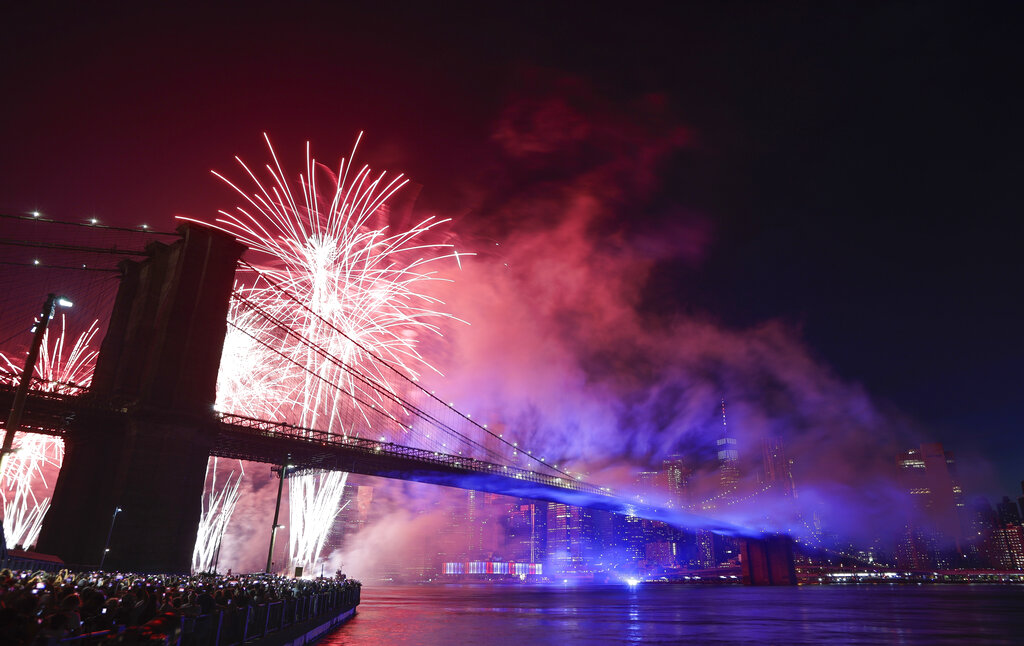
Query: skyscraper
[
  {"x": 995, "y": 540},
  {"x": 1020, "y": 501},
  {"x": 568, "y": 547},
  {"x": 928, "y": 475},
  {"x": 1007, "y": 547},
  {"x": 356, "y": 501},
  {"x": 777, "y": 468},
  {"x": 677, "y": 476},
  {"x": 706, "y": 549},
  {"x": 1008, "y": 512},
  {"x": 629, "y": 536},
  {"x": 728, "y": 458},
  {"x": 527, "y": 531},
  {"x": 649, "y": 485}
]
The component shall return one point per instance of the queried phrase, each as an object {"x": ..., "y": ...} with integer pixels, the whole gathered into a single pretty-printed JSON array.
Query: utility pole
[
  {"x": 277, "y": 512},
  {"x": 21, "y": 394}
]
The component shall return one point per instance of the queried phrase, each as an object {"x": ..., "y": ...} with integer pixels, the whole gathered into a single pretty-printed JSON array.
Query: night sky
[{"x": 853, "y": 167}]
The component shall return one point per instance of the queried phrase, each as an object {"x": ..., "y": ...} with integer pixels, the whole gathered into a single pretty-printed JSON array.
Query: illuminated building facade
[
  {"x": 778, "y": 470},
  {"x": 1007, "y": 547},
  {"x": 1020, "y": 501},
  {"x": 649, "y": 485},
  {"x": 526, "y": 531},
  {"x": 995, "y": 536},
  {"x": 491, "y": 569},
  {"x": 1008, "y": 512},
  {"x": 629, "y": 538},
  {"x": 706, "y": 549},
  {"x": 933, "y": 532},
  {"x": 677, "y": 478},
  {"x": 728, "y": 458},
  {"x": 569, "y": 545}
]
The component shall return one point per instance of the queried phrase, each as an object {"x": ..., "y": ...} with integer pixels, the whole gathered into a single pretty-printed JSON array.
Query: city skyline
[{"x": 563, "y": 540}]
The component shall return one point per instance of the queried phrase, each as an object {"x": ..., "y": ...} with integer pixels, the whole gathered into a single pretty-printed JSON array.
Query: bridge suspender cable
[
  {"x": 380, "y": 388},
  {"x": 368, "y": 405},
  {"x": 395, "y": 370}
]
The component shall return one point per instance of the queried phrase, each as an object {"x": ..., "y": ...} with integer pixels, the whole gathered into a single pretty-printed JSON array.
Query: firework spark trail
[
  {"x": 338, "y": 257},
  {"x": 248, "y": 384},
  {"x": 37, "y": 458},
  {"x": 312, "y": 499},
  {"x": 218, "y": 506},
  {"x": 251, "y": 381}
]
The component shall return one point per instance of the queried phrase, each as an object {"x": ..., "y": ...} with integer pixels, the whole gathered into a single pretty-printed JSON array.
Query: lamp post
[
  {"x": 110, "y": 532},
  {"x": 21, "y": 394},
  {"x": 277, "y": 512}
]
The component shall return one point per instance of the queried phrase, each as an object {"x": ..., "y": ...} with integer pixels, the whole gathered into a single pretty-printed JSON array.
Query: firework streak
[
  {"x": 327, "y": 285},
  {"x": 29, "y": 473}
]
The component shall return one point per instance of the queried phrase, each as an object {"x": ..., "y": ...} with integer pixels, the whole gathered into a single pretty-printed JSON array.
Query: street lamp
[
  {"x": 277, "y": 512},
  {"x": 21, "y": 394},
  {"x": 106, "y": 546}
]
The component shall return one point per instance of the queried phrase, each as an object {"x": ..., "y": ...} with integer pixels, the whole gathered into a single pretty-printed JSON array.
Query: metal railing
[
  {"x": 469, "y": 465},
  {"x": 242, "y": 624},
  {"x": 53, "y": 409},
  {"x": 29, "y": 564}
]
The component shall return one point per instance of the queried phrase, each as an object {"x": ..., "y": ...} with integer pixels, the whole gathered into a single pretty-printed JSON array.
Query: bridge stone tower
[
  {"x": 768, "y": 560},
  {"x": 144, "y": 446}
]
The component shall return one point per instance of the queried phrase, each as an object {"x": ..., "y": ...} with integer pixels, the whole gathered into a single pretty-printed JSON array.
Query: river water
[{"x": 522, "y": 615}]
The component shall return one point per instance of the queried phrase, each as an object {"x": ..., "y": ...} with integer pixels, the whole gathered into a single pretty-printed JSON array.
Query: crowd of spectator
[{"x": 43, "y": 608}]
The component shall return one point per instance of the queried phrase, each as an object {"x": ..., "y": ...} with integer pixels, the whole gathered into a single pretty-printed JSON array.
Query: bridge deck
[
  {"x": 311, "y": 449},
  {"x": 257, "y": 440}
]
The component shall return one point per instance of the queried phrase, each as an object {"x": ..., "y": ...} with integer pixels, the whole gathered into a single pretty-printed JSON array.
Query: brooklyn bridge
[{"x": 141, "y": 434}]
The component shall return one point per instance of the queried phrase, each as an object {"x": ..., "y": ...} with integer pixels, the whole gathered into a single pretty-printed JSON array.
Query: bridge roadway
[{"x": 312, "y": 450}]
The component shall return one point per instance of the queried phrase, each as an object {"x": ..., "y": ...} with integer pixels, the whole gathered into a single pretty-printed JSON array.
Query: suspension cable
[
  {"x": 368, "y": 381},
  {"x": 143, "y": 229},
  {"x": 395, "y": 370}
]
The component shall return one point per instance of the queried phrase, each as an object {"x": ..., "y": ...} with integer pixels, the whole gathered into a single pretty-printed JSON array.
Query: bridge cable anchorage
[
  {"x": 381, "y": 389},
  {"x": 395, "y": 370},
  {"x": 144, "y": 229}
]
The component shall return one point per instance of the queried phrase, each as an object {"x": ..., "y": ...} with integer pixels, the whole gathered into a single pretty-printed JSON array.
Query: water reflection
[{"x": 671, "y": 614}]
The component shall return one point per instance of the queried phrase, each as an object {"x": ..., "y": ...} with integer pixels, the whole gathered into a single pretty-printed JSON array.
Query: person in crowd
[{"x": 44, "y": 608}]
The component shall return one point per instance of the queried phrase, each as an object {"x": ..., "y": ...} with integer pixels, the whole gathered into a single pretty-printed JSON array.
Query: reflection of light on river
[
  {"x": 636, "y": 628},
  {"x": 555, "y": 615}
]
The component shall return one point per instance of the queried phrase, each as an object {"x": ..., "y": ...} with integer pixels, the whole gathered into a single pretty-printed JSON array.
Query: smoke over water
[
  {"x": 563, "y": 351},
  {"x": 565, "y": 356}
]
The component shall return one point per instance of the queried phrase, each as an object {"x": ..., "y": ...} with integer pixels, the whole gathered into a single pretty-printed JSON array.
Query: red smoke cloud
[{"x": 562, "y": 351}]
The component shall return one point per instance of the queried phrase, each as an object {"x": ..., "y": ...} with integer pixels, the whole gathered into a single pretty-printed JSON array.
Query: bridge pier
[
  {"x": 144, "y": 445},
  {"x": 150, "y": 465},
  {"x": 767, "y": 560}
]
